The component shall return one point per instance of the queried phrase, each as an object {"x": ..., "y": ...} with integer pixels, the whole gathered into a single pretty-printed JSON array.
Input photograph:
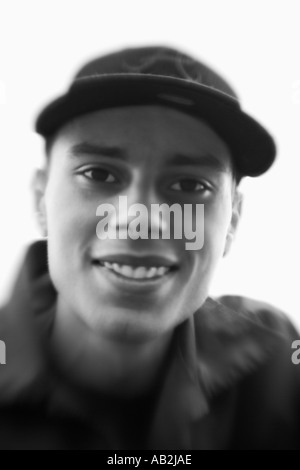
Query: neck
[{"x": 107, "y": 365}]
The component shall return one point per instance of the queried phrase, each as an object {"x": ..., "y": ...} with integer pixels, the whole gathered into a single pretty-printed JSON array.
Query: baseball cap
[{"x": 168, "y": 77}]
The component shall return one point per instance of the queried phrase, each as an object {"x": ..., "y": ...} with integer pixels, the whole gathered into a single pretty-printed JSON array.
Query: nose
[{"x": 137, "y": 208}]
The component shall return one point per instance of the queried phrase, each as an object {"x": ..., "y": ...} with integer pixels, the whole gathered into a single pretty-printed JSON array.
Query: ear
[
  {"x": 39, "y": 184},
  {"x": 237, "y": 205}
]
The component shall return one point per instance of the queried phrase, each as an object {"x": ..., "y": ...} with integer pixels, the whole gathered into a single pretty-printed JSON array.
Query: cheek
[
  {"x": 71, "y": 221},
  {"x": 200, "y": 265},
  {"x": 217, "y": 216},
  {"x": 217, "y": 224}
]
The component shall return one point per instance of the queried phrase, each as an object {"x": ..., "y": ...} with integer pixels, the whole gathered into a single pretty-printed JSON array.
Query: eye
[
  {"x": 189, "y": 185},
  {"x": 99, "y": 175}
]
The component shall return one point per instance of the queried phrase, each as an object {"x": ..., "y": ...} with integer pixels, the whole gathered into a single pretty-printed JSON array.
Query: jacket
[{"x": 230, "y": 382}]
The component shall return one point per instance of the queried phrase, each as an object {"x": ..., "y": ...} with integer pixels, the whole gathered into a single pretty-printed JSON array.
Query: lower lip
[{"x": 134, "y": 285}]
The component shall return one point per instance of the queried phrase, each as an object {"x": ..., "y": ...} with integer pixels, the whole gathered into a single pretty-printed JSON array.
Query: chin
[{"x": 127, "y": 325}]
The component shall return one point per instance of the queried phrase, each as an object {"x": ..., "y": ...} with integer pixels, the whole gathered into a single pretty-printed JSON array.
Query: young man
[{"x": 112, "y": 339}]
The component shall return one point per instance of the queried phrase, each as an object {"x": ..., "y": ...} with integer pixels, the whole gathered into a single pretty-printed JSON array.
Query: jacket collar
[
  {"x": 214, "y": 350},
  {"x": 21, "y": 322}
]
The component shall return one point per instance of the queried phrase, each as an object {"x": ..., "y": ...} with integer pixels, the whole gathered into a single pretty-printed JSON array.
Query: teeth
[
  {"x": 139, "y": 272},
  {"x": 152, "y": 272},
  {"x": 161, "y": 271}
]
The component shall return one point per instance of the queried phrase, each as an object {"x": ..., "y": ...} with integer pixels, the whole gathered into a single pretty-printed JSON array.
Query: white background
[{"x": 255, "y": 44}]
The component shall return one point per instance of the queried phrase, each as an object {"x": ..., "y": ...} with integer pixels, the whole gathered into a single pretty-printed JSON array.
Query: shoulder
[
  {"x": 261, "y": 312},
  {"x": 237, "y": 337},
  {"x": 269, "y": 392},
  {"x": 272, "y": 336}
]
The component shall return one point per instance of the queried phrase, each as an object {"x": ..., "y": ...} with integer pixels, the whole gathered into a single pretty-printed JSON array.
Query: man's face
[{"x": 151, "y": 155}]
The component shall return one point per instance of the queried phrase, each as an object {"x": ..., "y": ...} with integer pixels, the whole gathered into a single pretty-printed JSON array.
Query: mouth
[{"x": 137, "y": 269}]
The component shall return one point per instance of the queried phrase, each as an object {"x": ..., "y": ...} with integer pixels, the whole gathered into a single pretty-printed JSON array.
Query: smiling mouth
[{"x": 136, "y": 273}]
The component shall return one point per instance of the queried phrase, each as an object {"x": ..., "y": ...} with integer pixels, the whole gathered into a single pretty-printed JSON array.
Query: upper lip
[{"x": 146, "y": 260}]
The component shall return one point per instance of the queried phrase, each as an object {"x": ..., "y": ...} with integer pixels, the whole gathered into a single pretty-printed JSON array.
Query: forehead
[{"x": 151, "y": 130}]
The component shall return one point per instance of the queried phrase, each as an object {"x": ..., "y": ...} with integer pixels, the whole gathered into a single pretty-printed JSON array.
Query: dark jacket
[{"x": 230, "y": 382}]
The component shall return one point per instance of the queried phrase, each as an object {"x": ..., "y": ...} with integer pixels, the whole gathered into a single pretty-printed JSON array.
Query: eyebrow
[
  {"x": 207, "y": 160},
  {"x": 86, "y": 148}
]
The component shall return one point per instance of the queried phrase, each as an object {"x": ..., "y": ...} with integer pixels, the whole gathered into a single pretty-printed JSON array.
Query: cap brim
[{"x": 252, "y": 147}]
